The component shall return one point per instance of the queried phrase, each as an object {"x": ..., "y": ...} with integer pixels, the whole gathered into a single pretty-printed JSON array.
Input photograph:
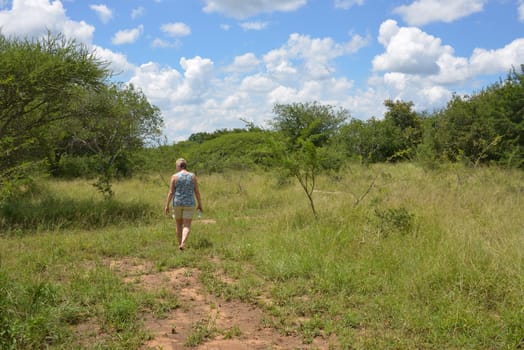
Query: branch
[{"x": 366, "y": 192}]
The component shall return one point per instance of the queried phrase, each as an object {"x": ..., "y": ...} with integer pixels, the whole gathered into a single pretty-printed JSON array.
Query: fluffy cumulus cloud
[
  {"x": 168, "y": 87},
  {"x": 244, "y": 63},
  {"x": 34, "y": 18},
  {"x": 501, "y": 60},
  {"x": 418, "y": 67},
  {"x": 413, "y": 66},
  {"x": 313, "y": 56},
  {"x": 127, "y": 36},
  {"x": 104, "y": 13},
  {"x": 242, "y": 9},
  {"x": 203, "y": 97},
  {"x": 422, "y": 12},
  {"x": 118, "y": 62},
  {"x": 175, "y": 30},
  {"x": 408, "y": 50}
]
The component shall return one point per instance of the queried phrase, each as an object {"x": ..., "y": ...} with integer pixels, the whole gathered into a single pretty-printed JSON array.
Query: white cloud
[
  {"x": 34, "y": 18},
  {"x": 176, "y": 29},
  {"x": 257, "y": 84},
  {"x": 253, "y": 25},
  {"x": 197, "y": 76},
  {"x": 521, "y": 10},
  {"x": 408, "y": 50},
  {"x": 346, "y": 4},
  {"x": 244, "y": 63},
  {"x": 315, "y": 56},
  {"x": 225, "y": 27},
  {"x": 158, "y": 83},
  {"x": 205, "y": 98},
  {"x": 118, "y": 62},
  {"x": 104, "y": 13},
  {"x": 127, "y": 36},
  {"x": 422, "y": 12},
  {"x": 137, "y": 12},
  {"x": 241, "y": 9},
  {"x": 495, "y": 61},
  {"x": 161, "y": 43},
  {"x": 419, "y": 68}
]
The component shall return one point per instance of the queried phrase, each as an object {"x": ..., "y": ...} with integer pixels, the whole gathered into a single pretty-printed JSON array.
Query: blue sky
[{"x": 208, "y": 64}]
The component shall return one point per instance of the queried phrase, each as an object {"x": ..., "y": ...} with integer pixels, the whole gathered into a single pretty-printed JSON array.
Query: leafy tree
[
  {"x": 38, "y": 81},
  {"x": 372, "y": 140},
  {"x": 304, "y": 132},
  {"x": 393, "y": 138},
  {"x": 485, "y": 127},
  {"x": 111, "y": 124},
  {"x": 308, "y": 121},
  {"x": 401, "y": 115}
]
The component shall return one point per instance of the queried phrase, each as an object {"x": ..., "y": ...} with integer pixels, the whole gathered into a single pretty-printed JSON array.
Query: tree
[
  {"x": 393, "y": 138},
  {"x": 304, "y": 131},
  {"x": 111, "y": 124},
  {"x": 409, "y": 124},
  {"x": 485, "y": 127},
  {"x": 38, "y": 81}
]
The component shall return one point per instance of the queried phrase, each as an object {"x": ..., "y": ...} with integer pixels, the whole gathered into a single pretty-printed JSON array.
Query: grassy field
[{"x": 399, "y": 258}]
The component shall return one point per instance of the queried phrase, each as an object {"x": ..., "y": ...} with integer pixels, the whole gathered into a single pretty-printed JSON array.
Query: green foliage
[
  {"x": 308, "y": 121},
  {"x": 303, "y": 134},
  {"x": 232, "y": 151},
  {"x": 38, "y": 82},
  {"x": 111, "y": 124},
  {"x": 55, "y": 102},
  {"x": 486, "y": 127},
  {"x": 220, "y": 152},
  {"x": 394, "y": 138}
]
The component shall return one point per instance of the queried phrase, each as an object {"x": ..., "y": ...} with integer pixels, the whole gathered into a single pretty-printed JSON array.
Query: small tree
[{"x": 304, "y": 131}]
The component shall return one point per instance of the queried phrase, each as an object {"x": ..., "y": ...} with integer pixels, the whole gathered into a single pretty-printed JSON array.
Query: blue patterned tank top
[{"x": 184, "y": 190}]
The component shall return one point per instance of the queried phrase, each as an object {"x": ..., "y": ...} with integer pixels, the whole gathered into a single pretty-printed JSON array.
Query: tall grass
[{"x": 400, "y": 257}]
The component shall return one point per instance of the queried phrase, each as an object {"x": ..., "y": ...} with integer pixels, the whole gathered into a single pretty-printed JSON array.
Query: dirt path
[{"x": 224, "y": 325}]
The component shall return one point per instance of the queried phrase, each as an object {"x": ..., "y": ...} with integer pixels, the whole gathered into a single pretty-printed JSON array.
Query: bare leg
[
  {"x": 185, "y": 232},
  {"x": 179, "y": 229}
]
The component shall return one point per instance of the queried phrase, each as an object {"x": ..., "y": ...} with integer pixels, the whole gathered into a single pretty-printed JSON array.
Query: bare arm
[
  {"x": 170, "y": 193},
  {"x": 197, "y": 193}
]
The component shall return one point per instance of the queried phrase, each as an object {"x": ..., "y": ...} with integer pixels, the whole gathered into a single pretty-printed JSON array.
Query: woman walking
[{"x": 182, "y": 191}]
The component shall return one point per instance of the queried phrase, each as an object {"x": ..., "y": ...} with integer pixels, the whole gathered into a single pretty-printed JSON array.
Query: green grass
[{"x": 425, "y": 260}]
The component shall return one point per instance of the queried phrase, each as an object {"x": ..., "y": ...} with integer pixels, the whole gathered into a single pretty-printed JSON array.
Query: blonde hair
[{"x": 181, "y": 162}]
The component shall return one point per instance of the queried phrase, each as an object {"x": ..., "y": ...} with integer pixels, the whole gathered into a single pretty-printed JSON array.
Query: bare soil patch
[{"x": 234, "y": 325}]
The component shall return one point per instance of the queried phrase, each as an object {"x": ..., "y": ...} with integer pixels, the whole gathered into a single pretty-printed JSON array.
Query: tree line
[
  {"x": 486, "y": 128},
  {"x": 62, "y": 115}
]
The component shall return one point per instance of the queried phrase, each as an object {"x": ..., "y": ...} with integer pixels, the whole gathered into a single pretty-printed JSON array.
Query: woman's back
[{"x": 184, "y": 190}]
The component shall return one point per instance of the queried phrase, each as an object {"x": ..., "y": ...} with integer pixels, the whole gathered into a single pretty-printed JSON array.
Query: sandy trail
[{"x": 234, "y": 325}]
